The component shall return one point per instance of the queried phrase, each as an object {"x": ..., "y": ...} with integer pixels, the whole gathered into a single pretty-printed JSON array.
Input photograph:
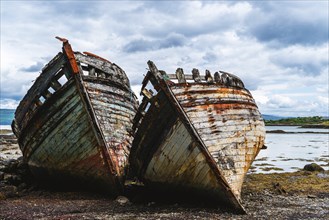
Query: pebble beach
[{"x": 295, "y": 195}]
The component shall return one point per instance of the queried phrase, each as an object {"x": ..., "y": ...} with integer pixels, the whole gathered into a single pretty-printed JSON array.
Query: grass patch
[
  {"x": 304, "y": 160},
  {"x": 315, "y": 120},
  {"x": 264, "y": 164},
  {"x": 287, "y": 159},
  {"x": 5, "y": 131},
  {"x": 262, "y": 159},
  {"x": 326, "y": 123},
  {"x": 270, "y": 169},
  {"x": 300, "y": 182}
]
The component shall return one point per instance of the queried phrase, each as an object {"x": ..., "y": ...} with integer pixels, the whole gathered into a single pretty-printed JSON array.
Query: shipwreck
[
  {"x": 74, "y": 125},
  {"x": 195, "y": 132}
]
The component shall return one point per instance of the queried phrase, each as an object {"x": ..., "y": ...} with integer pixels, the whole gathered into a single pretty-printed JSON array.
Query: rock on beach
[{"x": 313, "y": 167}]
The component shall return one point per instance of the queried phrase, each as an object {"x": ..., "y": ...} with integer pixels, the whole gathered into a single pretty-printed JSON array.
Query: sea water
[
  {"x": 288, "y": 152},
  {"x": 6, "y": 117}
]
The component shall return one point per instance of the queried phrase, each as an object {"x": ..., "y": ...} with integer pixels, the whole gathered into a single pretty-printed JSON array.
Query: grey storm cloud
[
  {"x": 281, "y": 23},
  {"x": 302, "y": 60},
  {"x": 209, "y": 57},
  {"x": 169, "y": 17},
  {"x": 173, "y": 40},
  {"x": 33, "y": 68},
  {"x": 216, "y": 25},
  {"x": 310, "y": 68},
  {"x": 161, "y": 7},
  {"x": 73, "y": 8}
]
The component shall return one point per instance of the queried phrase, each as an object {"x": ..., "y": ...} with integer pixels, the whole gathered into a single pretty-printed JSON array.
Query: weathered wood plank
[
  {"x": 116, "y": 107},
  {"x": 107, "y": 69},
  {"x": 204, "y": 88},
  {"x": 199, "y": 117},
  {"x": 41, "y": 83},
  {"x": 173, "y": 148},
  {"x": 95, "y": 87},
  {"x": 44, "y": 113},
  {"x": 180, "y": 75},
  {"x": 43, "y": 116},
  {"x": 43, "y": 135}
]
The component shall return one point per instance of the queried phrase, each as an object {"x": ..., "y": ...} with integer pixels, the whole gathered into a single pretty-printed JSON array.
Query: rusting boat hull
[
  {"x": 200, "y": 136},
  {"x": 75, "y": 123}
]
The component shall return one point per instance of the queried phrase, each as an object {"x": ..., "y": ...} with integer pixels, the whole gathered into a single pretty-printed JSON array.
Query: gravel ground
[
  {"x": 300, "y": 195},
  {"x": 82, "y": 205}
]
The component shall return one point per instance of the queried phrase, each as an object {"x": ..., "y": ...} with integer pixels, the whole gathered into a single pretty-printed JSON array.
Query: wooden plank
[
  {"x": 64, "y": 138},
  {"x": 96, "y": 86},
  {"x": 92, "y": 71},
  {"x": 187, "y": 77},
  {"x": 196, "y": 75},
  {"x": 43, "y": 134},
  {"x": 55, "y": 105},
  {"x": 203, "y": 97},
  {"x": 115, "y": 117},
  {"x": 107, "y": 68},
  {"x": 180, "y": 75},
  {"x": 40, "y": 84},
  {"x": 205, "y": 88},
  {"x": 185, "y": 170},
  {"x": 46, "y": 94},
  {"x": 102, "y": 145},
  {"x": 55, "y": 85},
  {"x": 178, "y": 154},
  {"x": 173, "y": 148}
]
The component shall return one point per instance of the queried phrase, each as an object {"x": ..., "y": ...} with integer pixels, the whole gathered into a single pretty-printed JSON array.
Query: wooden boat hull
[
  {"x": 80, "y": 134},
  {"x": 201, "y": 137},
  {"x": 229, "y": 124}
]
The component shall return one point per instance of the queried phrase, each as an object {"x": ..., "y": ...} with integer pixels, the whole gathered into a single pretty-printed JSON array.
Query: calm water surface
[{"x": 291, "y": 152}]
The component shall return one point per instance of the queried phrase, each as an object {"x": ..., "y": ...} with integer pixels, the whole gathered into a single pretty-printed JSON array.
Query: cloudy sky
[{"x": 279, "y": 49}]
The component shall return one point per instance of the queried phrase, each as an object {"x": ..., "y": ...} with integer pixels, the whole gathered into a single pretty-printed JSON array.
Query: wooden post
[
  {"x": 217, "y": 77},
  {"x": 196, "y": 75},
  {"x": 180, "y": 75},
  {"x": 208, "y": 77}
]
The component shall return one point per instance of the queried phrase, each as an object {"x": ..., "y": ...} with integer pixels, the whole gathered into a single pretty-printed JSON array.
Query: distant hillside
[
  {"x": 300, "y": 121},
  {"x": 272, "y": 117}
]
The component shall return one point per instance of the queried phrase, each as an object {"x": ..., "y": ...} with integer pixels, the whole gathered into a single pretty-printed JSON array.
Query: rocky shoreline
[
  {"x": 293, "y": 132},
  {"x": 299, "y": 195},
  {"x": 321, "y": 126}
]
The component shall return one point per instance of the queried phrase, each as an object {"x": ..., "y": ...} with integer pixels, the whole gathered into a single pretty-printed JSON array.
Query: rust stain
[
  {"x": 220, "y": 107},
  {"x": 211, "y": 119},
  {"x": 96, "y": 56},
  {"x": 67, "y": 49},
  {"x": 89, "y": 161}
]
